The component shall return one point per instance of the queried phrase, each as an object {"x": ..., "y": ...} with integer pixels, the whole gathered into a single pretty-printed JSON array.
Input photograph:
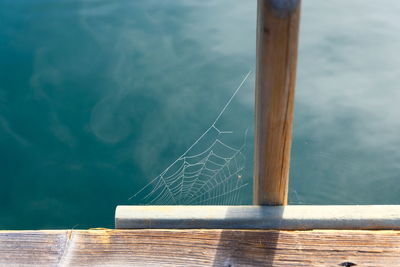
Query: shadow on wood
[{"x": 246, "y": 248}]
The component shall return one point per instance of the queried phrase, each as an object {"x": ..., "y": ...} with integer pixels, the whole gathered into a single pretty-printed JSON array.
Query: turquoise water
[{"x": 99, "y": 97}]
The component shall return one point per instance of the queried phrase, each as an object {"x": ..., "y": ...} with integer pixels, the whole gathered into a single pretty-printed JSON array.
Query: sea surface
[{"x": 99, "y": 97}]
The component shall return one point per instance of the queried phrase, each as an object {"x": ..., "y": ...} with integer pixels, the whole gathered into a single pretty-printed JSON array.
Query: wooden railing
[{"x": 277, "y": 44}]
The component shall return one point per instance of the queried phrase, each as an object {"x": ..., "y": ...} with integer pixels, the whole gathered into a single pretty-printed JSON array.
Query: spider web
[{"x": 209, "y": 172}]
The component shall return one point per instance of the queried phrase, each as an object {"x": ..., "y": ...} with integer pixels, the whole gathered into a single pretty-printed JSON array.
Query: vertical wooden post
[{"x": 277, "y": 41}]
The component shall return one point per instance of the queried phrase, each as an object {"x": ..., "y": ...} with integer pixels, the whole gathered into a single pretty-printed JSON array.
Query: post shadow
[{"x": 250, "y": 245}]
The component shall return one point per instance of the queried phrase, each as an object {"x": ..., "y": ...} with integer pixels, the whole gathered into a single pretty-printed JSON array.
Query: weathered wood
[
  {"x": 277, "y": 41},
  {"x": 199, "y": 248},
  {"x": 30, "y": 248},
  {"x": 258, "y": 217}
]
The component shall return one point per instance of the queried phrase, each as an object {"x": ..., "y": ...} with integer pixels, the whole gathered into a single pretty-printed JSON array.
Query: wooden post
[{"x": 277, "y": 41}]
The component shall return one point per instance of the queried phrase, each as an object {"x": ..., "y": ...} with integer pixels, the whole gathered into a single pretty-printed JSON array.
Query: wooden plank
[
  {"x": 28, "y": 248},
  {"x": 277, "y": 41},
  {"x": 258, "y": 217},
  {"x": 200, "y": 248}
]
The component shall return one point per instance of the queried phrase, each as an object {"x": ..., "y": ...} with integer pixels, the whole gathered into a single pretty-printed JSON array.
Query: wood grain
[
  {"x": 277, "y": 41},
  {"x": 27, "y": 248},
  {"x": 199, "y": 248}
]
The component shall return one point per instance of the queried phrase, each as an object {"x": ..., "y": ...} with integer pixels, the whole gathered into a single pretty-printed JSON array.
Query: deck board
[{"x": 199, "y": 248}]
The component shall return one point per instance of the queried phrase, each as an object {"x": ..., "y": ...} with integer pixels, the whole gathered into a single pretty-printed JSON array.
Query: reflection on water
[
  {"x": 98, "y": 97},
  {"x": 347, "y": 143}
]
